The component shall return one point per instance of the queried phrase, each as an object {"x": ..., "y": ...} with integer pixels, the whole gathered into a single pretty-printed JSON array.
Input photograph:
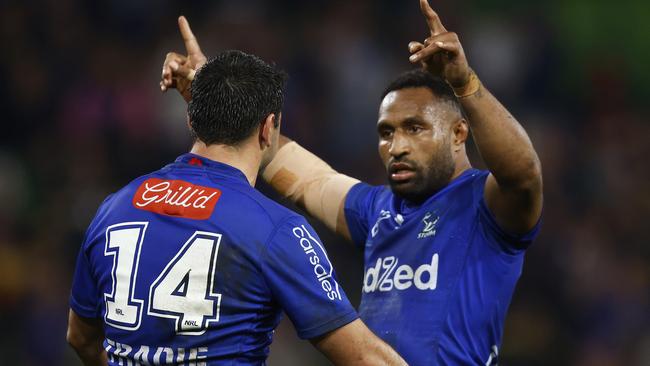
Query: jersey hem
[{"x": 83, "y": 311}]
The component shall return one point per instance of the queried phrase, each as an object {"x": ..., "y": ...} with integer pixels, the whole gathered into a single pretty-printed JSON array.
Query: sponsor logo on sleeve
[
  {"x": 176, "y": 198},
  {"x": 320, "y": 263}
]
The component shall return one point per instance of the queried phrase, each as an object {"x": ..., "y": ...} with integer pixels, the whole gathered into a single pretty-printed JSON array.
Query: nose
[{"x": 399, "y": 146}]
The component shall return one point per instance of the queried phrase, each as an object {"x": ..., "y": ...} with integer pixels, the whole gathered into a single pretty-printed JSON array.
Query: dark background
[{"x": 82, "y": 116}]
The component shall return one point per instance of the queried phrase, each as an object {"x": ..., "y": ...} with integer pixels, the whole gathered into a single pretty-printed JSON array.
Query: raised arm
[
  {"x": 513, "y": 191},
  {"x": 311, "y": 184},
  {"x": 295, "y": 173},
  {"x": 178, "y": 70}
]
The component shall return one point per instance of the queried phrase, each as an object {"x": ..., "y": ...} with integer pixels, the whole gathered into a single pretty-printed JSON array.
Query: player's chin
[{"x": 404, "y": 188}]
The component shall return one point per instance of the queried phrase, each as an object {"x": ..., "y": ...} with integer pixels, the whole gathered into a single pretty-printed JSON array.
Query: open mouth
[{"x": 401, "y": 172}]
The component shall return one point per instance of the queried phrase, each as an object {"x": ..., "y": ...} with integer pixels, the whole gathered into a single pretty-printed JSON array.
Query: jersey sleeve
[
  {"x": 508, "y": 242},
  {"x": 84, "y": 297},
  {"x": 359, "y": 205},
  {"x": 302, "y": 280}
]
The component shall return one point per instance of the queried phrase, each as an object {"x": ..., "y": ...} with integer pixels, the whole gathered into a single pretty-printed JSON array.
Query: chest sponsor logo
[
  {"x": 387, "y": 275},
  {"x": 430, "y": 223},
  {"x": 320, "y": 263},
  {"x": 176, "y": 198}
]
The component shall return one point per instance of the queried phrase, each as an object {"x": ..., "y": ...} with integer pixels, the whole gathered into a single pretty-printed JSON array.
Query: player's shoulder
[
  {"x": 116, "y": 199},
  {"x": 207, "y": 195},
  {"x": 471, "y": 177},
  {"x": 477, "y": 175},
  {"x": 125, "y": 193},
  {"x": 265, "y": 206},
  {"x": 468, "y": 182},
  {"x": 466, "y": 191},
  {"x": 367, "y": 196},
  {"x": 475, "y": 182},
  {"x": 244, "y": 204}
]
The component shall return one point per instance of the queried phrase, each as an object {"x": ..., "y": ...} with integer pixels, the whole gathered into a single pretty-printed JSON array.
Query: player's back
[{"x": 179, "y": 266}]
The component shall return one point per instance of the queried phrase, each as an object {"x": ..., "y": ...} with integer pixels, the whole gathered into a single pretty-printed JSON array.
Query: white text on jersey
[
  {"x": 322, "y": 266},
  {"x": 385, "y": 275},
  {"x": 127, "y": 355},
  {"x": 162, "y": 192}
]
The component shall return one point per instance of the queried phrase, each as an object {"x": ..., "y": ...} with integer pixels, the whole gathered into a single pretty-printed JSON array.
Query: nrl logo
[{"x": 429, "y": 226}]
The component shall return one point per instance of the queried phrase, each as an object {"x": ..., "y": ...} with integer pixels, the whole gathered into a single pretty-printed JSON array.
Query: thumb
[{"x": 182, "y": 70}]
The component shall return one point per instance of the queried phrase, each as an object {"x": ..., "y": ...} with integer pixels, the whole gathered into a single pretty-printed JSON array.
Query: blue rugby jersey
[
  {"x": 191, "y": 265},
  {"x": 438, "y": 277}
]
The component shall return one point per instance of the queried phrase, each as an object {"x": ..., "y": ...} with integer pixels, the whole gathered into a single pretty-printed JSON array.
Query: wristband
[{"x": 472, "y": 86}]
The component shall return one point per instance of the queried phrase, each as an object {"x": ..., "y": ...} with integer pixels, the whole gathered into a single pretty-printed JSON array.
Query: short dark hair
[
  {"x": 422, "y": 79},
  {"x": 232, "y": 94}
]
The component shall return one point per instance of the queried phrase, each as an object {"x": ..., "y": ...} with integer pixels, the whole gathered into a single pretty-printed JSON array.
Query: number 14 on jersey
[{"x": 183, "y": 291}]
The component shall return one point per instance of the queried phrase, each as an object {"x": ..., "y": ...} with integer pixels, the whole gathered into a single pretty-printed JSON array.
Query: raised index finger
[
  {"x": 191, "y": 44},
  {"x": 433, "y": 21}
]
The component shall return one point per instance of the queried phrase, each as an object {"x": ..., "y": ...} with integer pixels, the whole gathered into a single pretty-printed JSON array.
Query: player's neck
[
  {"x": 242, "y": 157},
  {"x": 461, "y": 164}
]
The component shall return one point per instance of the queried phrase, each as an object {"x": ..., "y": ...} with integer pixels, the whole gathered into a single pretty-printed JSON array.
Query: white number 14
[{"x": 183, "y": 291}]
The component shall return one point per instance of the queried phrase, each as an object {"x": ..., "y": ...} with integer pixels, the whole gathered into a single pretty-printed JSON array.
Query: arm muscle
[
  {"x": 86, "y": 336},
  {"x": 311, "y": 184},
  {"x": 354, "y": 344},
  {"x": 513, "y": 192}
]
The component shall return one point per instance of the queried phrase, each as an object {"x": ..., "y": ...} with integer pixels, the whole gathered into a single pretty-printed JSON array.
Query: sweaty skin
[{"x": 415, "y": 142}]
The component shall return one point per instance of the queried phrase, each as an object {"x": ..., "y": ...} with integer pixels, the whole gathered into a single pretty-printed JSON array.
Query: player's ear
[
  {"x": 266, "y": 131},
  {"x": 460, "y": 130}
]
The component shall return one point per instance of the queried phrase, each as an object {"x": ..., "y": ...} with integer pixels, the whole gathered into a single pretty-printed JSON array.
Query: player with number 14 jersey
[{"x": 192, "y": 265}]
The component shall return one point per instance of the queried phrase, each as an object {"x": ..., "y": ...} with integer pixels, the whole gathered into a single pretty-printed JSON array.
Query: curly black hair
[{"x": 422, "y": 79}]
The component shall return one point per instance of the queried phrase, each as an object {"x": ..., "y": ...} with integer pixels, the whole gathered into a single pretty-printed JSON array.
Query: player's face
[{"x": 415, "y": 137}]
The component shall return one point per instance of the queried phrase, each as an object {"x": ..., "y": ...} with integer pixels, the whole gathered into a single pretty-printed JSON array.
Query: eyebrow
[
  {"x": 383, "y": 124},
  {"x": 408, "y": 121},
  {"x": 413, "y": 120}
]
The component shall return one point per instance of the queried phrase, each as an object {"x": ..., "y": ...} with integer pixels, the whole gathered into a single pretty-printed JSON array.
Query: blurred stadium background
[{"x": 82, "y": 115}]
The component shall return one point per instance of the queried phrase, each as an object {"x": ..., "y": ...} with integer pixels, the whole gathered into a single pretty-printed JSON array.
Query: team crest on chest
[{"x": 430, "y": 223}]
